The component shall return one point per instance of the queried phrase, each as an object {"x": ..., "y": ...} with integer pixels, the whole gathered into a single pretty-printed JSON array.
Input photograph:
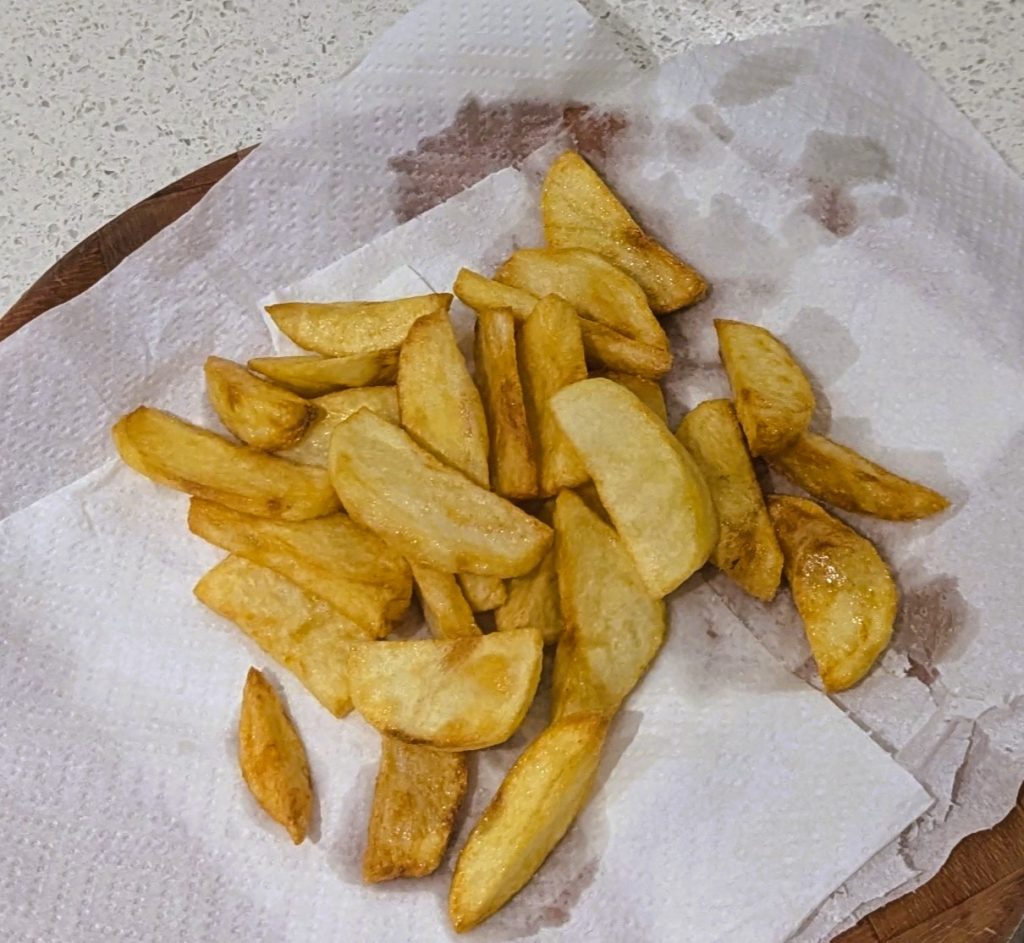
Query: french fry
[
  {"x": 581, "y": 211},
  {"x": 457, "y": 694},
  {"x": 483, "y": 593},
  {"x": 335, "y": 408},
  {"x": 445, "y": 608},
  {"x": 430, "y": 513},
  {"x": 842, "y": 589},
  {"x": 439, "y": 403},
  {"x": 313, "y": 375},
  {"x": 839, "y": 475},
  {"x": 346, "y": 328},
  {"x": 178, "y": 455},
  {"x": 747, "y": 550},
  {"x": 774, "y": 399},
  {"x": 415, "y": 799},
  {"x": 273, "y": 759},
  {"x": 542, "y": 794},
  {"x": 609, "y": 350},
  {"x": 648, "y": 483},
  {"x": 649, "y": 392},
  {"x": 295, "y": 628},
  {"x": 532, "y": 601},
  {"x": 484, "y": 294}
]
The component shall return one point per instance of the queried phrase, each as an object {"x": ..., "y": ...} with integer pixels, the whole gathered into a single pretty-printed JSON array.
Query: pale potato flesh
[
  {"x": 177, "y": 454},
  {"x": 335, "y": 408},
  {"x": 453, "y": 694},
  {"x": 273, "y": 759},
  {"x": 300, "y": 631},
  {"x": 747, "y": 550},
  {"x": 540, "y": 797},
  {"x": 610, "y": 350},
  {"x": 581, "y": 211},
  {"x": 613, "y": 628},
  {"x": 839, "y": 475},
  {"x": 773, "y": 397},
  {"x": 344, "y": 328},
  {"x": 485, "y": 294},
  {"x": 258, "y": 412},
  {"x": 648, "y": 483},
  {"x": 483, "y": 593},
  {"x": 842, "y": 589},
  {"x": 649, "y": 392},
  {"x": 313, "y": 375},
  {"x": 427, "y": 511},
  {"x": 415, "y": 799},
  {"x": 533, "y": 601},
  {"x": 445, "y": 608}
]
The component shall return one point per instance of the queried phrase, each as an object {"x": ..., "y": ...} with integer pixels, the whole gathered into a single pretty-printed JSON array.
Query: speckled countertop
[{"x": 105, "y": 101}]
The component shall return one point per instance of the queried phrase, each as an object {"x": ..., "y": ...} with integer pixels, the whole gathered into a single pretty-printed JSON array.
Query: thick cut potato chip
[
  {"x": 533, "y": 601},
  {"x": 445, "y": 608},
  {"x": 541, "y": 796},
  {"x": 177, "y": 454},
  {"x": 312, "y": 375},
  {"x": 649, "y": 392},
  {"x": 457, "y": 694},
  {"x": 295, "y": 628},
  {"x": 551, "y": 357},
  {"x": 842, "y": 589},
  {"x": 258, "y": 412},
  {"x": 484, "y": 294},
  {"x": 613, "y": 628},
  {"x": 513, "y": 461},
  {"x": 332, "y": 557},
  {"x": 417, "y": 795},
  {"x": 483, "y": 593},
  {"x": 429, "y": 512},
  {"x": 580, "y": 211},
  {"x": 841, "y": 476},
  {"x": 747, "y": 549},
  {"x": 335, "y": 408},
  {"x": 648, "y": 483},
  {"x": 273, "y": 759},
  {"x": 438, "y": 401},
  {"x": 354, "y": 327},
  {"x": 609, "y": 350},
  {"x": 774, "y": 399}
]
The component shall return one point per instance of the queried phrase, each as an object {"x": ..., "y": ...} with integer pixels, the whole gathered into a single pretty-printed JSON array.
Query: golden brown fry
[
  {"x": 533, "y": 601},
  {"x": 839, "y": 475},
  {"x": 297, "y": 629},
  {"x": 415, "y": 799},
  {"x": 483, "y": 593},
  {"x": 445, "y": 608},
  {"x": 427, "y": 511},
  {"x": 609, "y": 350},
  {"x": 842, "y": 589},
  {"x": 177, "y": 454},
  {"x": 457, "y": 694},
  {"x": 747, "y": 549},
  {"x": 774, "y": 399},
  {"x": 335, "y": 408},
  {"x": 273, "y": 759},
  {"x": 439, "y": 403},
  {"x": 535, "y": 806},
  {"x": 485, "y": 294},
  {"x": 313, "y": 375},
  {"x": 354, "y": 327},
  {"x": 648, "y": 483},
  {"x": 649, "y": 392}
]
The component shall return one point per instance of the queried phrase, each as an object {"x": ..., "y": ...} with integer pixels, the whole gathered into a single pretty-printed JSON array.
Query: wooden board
[{"x": 977, "y": 896}]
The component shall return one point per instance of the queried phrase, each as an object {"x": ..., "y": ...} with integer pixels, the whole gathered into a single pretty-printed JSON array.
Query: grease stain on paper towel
[
  {"x": 761, "y": 75},
  {"x": 932, "y": 624}
]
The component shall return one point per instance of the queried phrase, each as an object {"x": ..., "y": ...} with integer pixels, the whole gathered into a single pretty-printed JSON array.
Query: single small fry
[
  {"x": 178, "y": 455},
  {"x": 533, "y": 601},
  {"x": 542, "y": 794},
  {"x": 273, "y": 759},
  {"x": 445, "y": 608},
  {"x": 313, "y": 375},
  {"x": 839, "y": 475},
  {"x": 484, "y": 294},
  {"x": 649, "y": 392},
  {"x": 609, "y": 350},
  {"x": 345, "y": 328},
  {"x": 747, "y": 550},
  {"x": 335, "y": 408},
  {"x": 297, "y": 629},
  {"x": 453, "y": 694},
  {"x": 483, "y": 593},
  {"x": 842, "y": 589},
  {"x": 415, "y": 800}
]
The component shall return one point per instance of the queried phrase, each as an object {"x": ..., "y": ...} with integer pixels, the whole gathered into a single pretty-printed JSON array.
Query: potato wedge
[
  {"x": 273, "y": 759},
  {"x": 842, "y": 589},
  {"x": 609, "y": 350},
  {"x": 774, "y": 399},
  {"x": 336, "y": 408},
  {"x": 581, "y": 211},
  {"x": 533, "y": 601},
  {"x": 445, "y": 608},
  {"x": 258, "y": 412},
  {"x": 542, "y": 794},
  {"x": 457, "y": 694},
  {"x": 839, "y": 475},
  {"x": 177, "y": 454},
  {"x": 648, "y": 483},
  {"x": 331, "y": 557},
  {"x": 430, "y": 513},
  {"x": 484, "y": 294},
  {"x": 346, "y": 328},
  {"x": 747, "y": 550},
  {"x": 415, "y": 799},
  {"x": 483, "y": 593},
  {"x": 295, "y": 628},
  {"x": 438, "y": 401},
  {"x": 649, "y": 392},
  {"x": 312, "y": 375}
]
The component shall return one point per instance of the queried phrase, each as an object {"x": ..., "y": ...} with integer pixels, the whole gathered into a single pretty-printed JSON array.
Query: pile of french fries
[{"x": 544, "y": 487}]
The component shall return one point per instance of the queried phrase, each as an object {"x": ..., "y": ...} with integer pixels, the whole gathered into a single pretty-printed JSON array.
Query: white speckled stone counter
[{"x": 93, "y": 121}]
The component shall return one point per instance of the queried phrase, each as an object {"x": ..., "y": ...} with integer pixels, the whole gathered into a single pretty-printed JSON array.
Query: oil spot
[
  {"x": 760, "y": 76},
  {"x": 711, "y": 633},
  {"x": 715, "y": 123},
  {"x": 892, "y": 207},
  {"x": 684, "y": 140},
  {"x": 345, "y": 856},
  {"x": 932, "y": 620}
]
